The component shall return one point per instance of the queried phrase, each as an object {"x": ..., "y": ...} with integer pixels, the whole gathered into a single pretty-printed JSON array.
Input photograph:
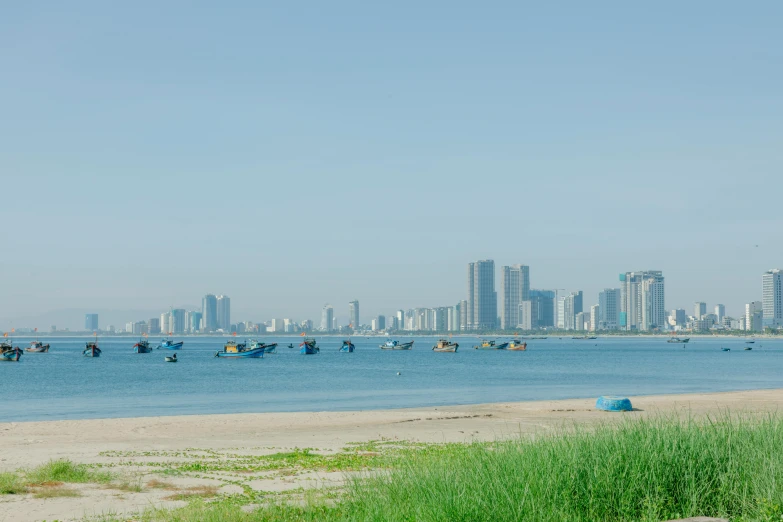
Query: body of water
[{"x": 62, "y": 384}]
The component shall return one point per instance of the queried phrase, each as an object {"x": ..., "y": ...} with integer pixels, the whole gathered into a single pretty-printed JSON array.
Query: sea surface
[{"x": 62, "y": 384}]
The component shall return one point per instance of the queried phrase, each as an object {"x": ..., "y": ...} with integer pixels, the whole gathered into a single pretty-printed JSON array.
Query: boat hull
[
  {"x": 309, "y": 350},
  {"x": 94, "y": 352},
  {"x": 270, "y": 348},
  {"x": 255, "y": 353},
  {"x": 41, "y": 349},
  {"x": 501, "y": 346},
  {"x": 347, "y": 348},
  {"x": 447, "y": 348},
  {"x": 142, "y": 349},
  {"x": 403, "y": 346},
  {"x": 11, "y": 355},
  {"x": 172, "y": 346},
  {"x": 517, "y": 348},
  {"x": 170, "y": 359}
]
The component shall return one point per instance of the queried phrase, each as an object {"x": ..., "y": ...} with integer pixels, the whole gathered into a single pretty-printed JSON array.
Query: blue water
[{"x": 64, "y": 385}]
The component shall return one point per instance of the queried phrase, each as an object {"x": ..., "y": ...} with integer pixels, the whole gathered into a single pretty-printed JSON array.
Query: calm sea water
[{"x": 64, "y": 385}]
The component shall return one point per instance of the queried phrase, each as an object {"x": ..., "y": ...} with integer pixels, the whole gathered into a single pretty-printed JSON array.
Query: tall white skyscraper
[
  {"x": 400, "y": 319},
  {"x": 699, "y": 309},
  {"x": 515, "y": 285},
  {"x": 608, "y": 309},
  {"x": 353, "y": 314},
  {"x": 595, "y": 313},
  {"x": 720, "y": 312},
  {"x": 165, "y": 323},
  {"x": 224, "y": 312},
  {"x": 754, "y": 316},
  {"x": 482, "y": 297},
  {"x": 642, "y": 296},
  {"x": 572, "y": 305},
  {"x": 327, "y": 317},
  {"x": 772, "y": 297}
]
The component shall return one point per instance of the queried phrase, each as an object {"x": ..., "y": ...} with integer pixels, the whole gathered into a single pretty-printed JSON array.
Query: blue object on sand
[{"x": 613, "y": 403}]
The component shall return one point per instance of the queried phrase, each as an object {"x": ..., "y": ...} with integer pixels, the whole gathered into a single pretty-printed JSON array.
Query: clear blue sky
[{"x": 318, "y": 152}]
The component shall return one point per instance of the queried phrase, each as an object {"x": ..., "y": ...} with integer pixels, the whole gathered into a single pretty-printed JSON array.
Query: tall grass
[{"x": 66, "y": 471}]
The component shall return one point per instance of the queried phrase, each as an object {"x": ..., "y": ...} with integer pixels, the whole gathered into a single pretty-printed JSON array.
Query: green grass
[
  {"x": 66, "y": 471},
  {"x": 12, "y": 484}
]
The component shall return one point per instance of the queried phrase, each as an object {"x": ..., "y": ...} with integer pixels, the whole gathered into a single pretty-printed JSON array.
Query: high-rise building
[
  {"x": 699, "y": 309},
  {"x": 209, "y": 313},
  {"x": 482, "y": 298},
  {"x": 440, "y": 319},
  {"x": 353, "y": 314},
  {"x": 165, "y": 323},
  {"x": 400, "y": 319},
  {"x": 193, "y": 321},
  {"x": 608, "y": 309},
  {"x": 560, "y": 319},
  {"x": 527, "y": 315},
  {"x": 580, "y": 321},
  {"x": 772, "y": 297},
  {"x": 720, "y": 312},
  {"x": 223, "y": 312},
  {"x": 543, "y": 308},
  {"x": 327, "y": 318},
  {"x": 463, "y": 315},
  {"x": 678, "y": 316},
  {"x": 515, "y": 284},
  {"x": 154, "y": 325},
  {"x": 572, "y": 305},
  {"x": 91, "y": 322},
  {"x": 381, "y": 322},
  {"x": 595, "y": 314},
  {"x": 754, "y": 316},
  {"x": 642, "y": 300},
  {"x": 278, "y": 325},
  {"x": 178, "y": 324}
]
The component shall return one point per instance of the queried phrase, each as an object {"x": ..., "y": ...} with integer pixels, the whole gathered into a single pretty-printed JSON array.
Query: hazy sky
[{"x": 315, "y": 152}]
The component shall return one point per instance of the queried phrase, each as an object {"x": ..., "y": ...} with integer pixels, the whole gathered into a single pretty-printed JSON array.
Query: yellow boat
[{"x": 517, "y": 346}]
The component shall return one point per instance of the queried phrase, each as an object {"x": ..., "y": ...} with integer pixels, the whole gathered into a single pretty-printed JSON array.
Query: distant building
[
  {"x": 209, "y": 313},
  {"x": 353, "y": 314},
  {"x": 581, "y": 321},
  {"x": 440, "y": 319},
  {"x": 542, "y": 312},
  {"x": 608, "y": 309},
  {"x": 140, "y": 328},
  {"x": 455, "y": 314},
  {"x": 642, "y": 301},
  {"x": 699, "y": 309},
  {"x": 754, "y": 316},
  {"x": 154, "y": 325},
  {"x": 515, "y": 286},
  {"x": 678, "y": 316},
  {"x": 595, "y": 312},
  {"x": 720, "y": 312},
  {"x": 400, "y": 319},
  {"x": 327, "y": 318},
  {"x": 165, "y": 323},
  {"x": 463, "y": 314},
  {"x": 560, "y": 313},
  {"x": 278, "y": 325},
  {"x": 381, "y": 322},
  {"x": 572, "y": 306},
  {"x": 482, "y": 297},
  {"x": 193, "y": 321},
  {"x": 223, "y": 312},
  {"x": 772, "y": 297},
  {"x": 177, "y": 321},
  {"x": 91, "y": 322},
  {"x": 527, "y": 315}
]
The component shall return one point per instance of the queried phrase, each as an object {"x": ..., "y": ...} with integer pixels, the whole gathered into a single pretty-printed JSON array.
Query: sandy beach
[{"x": 125, "y": 444}]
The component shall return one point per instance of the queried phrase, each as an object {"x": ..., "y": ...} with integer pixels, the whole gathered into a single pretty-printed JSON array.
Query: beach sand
[{"x": 27, "y": 444}]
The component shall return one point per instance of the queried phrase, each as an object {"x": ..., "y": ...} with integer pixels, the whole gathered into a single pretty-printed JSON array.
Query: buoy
[
  {"x": 398, "y": 373},
  {"x": 613, "y": 403}
]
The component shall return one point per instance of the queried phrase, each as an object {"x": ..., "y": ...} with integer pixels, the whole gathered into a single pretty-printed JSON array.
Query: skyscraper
[
  {"x": 223, "y": 312},
  {"x": 572, "y": 306},
  {"x": 642, "y": 300},
  {"x": 91, "y": 322},
  {"x": 165, "y": 323},
  {"x": 699, "y": 309},
  {"x": 720, "y": 312},
  {"x": 482, "y": 298},
  {"x": 353, "y": 314},
  {"x": 193, "y": 321},
  {"x": 154, "y": 325},
  {"x": 543, "y": 308},
  {"x": 209, "y": 313},
  {"x": 381, "y": 321},
  {"x": 595, "y": 313},
  {"x": 400, "y": 319},
  {"x": 177, "y": 321},
  {"x": 608, "y": 309},
  {"x": 327, "y": 318},
  {"x": 515, "y": 284},
  {"x": 772, "y": 297},
  {"x": 754, "y": 316}
]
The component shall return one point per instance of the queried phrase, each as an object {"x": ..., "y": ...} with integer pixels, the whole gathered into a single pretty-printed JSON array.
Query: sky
[{"x": 305, "y": 153}]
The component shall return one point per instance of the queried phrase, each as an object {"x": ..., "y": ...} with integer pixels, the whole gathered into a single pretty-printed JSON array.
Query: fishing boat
[
  {"x": 751, "y": 341},
  {"x": 517, "y": 346},
  {"x": 725, "y": 349},
  {"x": 678, "y": 340},
  {"x": 92, "y": 350},
  {"x": 268, "y": 348},
  {"x": 748, "y": 348},
  {"x": 171, "y": 358},
  {"x": 143, "y": 346},
  {"x": 347, "y": 346},
  {"x": 37, "y": 347},
  {"x": 232, "y": 350},
  {"x": 290, "y": 345},
  {"x": 396, "y": 345},
  {"x": 444, "y": 345},
  {"x": 166, "y": 344},
  {"x": 308, "y": 347},
  {"x": 491, "y": 345},
  {"x": 9, "y": 353}
]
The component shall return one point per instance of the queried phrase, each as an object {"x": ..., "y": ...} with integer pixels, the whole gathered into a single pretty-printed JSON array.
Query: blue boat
[
  {"x": 92, "y": 350},
  {"x": 143, "y": 346},
  {"x": 232, "y": 350},
  {"x": 347, "y": 346},
  {"x": 268, "y": 348},
  {"x": 9, "y": 353},
  {"x": 396, "y": 345},
  {"x": 165, "y": 344},
  {"x": 309, "y": 347}
]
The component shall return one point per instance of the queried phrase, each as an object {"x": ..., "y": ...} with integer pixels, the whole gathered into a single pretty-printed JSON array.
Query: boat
[
  {"x": 678, "y": 340},
  {"x": 751, "y": 341},
  {"x": 583, "y": 338},
  {"x": 268, "y": 348},
  {"x": 726, "y": 349},
  {"x": 347, "y": 346},
  {"x": 9, "y": 353},
  {"x": 308, "y": 347},
  {"x": 517, "y": 346},
  {"x": 92, "y": 350},
  {"x": 291, "y": 345},
  {"x": 232, "y": 350},
  {"x": 171, "y": 358},
  {"x": 396, "y": 345},
  {"x": 748, "y": 348},
  {"x": 444, "y": 345},
  {"x": 143, "y": 346},
  {"x": 165, "y": 344},
  {"x": 491, "y": 345},
  {"x": 37, "y": 347}
]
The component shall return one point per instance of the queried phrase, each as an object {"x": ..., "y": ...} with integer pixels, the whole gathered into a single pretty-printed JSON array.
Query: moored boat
[
  {"x": 37, "y": 347},
  {"x": 232, "y": 350},
  {"x": 290, "y": 345},
  {"x": 517, "y": 346},
  {"x": 252, "y": 344},
  {"x": 143, "y": 346},
  {"x": 396, "y": 345},
  {"x": 167, "y": 344},
  {"x": 347, "y": 346},
  {"x": 308, "y": 347},
  {"x": 678, "y": 340},
  {"x": 92, "y": 350},
  {"x": 171, "y": 358},
  {"x": 748, "y": 348},
  {"x": 725, "y": 349},
  {"x": 444, "y": 345},
  {"x": 9, "y": 353},
  {"x": 491, "y": 345}
]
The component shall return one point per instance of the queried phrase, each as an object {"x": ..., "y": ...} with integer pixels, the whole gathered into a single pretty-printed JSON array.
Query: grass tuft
[
  {"x": 67, "y": 471},
  {"x": 12, "y": 484},
  {"x": 54, "y": 492},
  {"x": 194, "y": 492}
]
